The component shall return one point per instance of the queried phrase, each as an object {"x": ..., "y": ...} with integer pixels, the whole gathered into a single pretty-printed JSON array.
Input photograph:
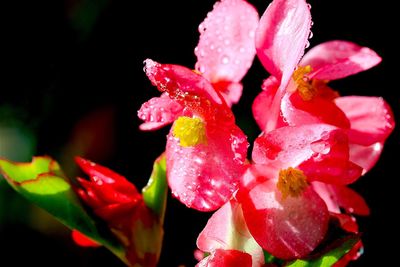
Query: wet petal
[
  {"x": 338, "y": 59},
  {"x": 290, "y": 146},
  {"x": 289, "y": 228},
  {"x": 158, "y": 112},
  {"x": 371, "y": 118},
  {"x": 205, "y": 176},
  {"x": 281, "y": 37},
  {"x": 231, "y": 91},
  {"x": 226, "y": 47},
  {"x": 296, "y": 111}
]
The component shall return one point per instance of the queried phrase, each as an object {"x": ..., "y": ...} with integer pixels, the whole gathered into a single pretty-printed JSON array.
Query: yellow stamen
[
  {"x": 292, "y": 182},
  {"x": 305, "y": 88},
  {"x": 190, "y": 131}
]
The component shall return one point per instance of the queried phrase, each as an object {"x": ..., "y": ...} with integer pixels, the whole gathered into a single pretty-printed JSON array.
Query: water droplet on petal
[
  {"x": 225, "y": 60},
  {"x": 307, "y": 44}
]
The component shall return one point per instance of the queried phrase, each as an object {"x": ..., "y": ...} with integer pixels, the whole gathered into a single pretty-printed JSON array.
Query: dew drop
[
  {"x": 307, "y": 44},
  {"x": 311, "y": 35},
  {"x": 309, "y": 6},
  {"x": 225, "y": 60}
]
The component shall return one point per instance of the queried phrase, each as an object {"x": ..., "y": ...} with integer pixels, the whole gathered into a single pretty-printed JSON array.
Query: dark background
[{"x": 72, "y": 81}]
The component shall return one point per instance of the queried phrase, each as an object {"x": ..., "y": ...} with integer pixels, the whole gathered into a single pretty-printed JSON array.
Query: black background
[{"x": 56, "y": 73}]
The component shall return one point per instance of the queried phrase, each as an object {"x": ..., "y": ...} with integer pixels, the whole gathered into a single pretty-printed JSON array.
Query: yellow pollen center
[
  {"x": 292, "y": 182},
  {"x": 305, "y": 88},
  {"x": 190, "y": 131}
]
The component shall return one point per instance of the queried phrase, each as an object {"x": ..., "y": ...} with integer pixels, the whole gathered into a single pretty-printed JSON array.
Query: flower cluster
[
  {"x": 289, "y": 204},
  {"x": 313, "y": 142}
]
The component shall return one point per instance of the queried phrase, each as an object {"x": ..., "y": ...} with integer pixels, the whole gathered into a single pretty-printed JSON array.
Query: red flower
[{"x": 118, "y": 203}]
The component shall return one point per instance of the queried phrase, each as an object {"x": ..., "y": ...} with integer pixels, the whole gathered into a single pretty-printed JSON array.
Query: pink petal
[
  {"x": 365, "y": 156},
  {"x": 290, "y": 146},
  {"x": 158, "y": 112},
  {"x": 180, "y": 82},
  {"x": 231, "y": 91},
  {"x": 371, "y": 118},
  {"x": 289, "y": 228},
  {"x": 226, "y": 229},
  {"x": 205, "y": 176},
  {"x": 338, "y": 59},
  {"x": 263, "y": 103},
  {"x": 331, "y": 170},
  {"x": 226, "y": 47},
  {"x": 296, "y": 111},
  {"x": 336, "y": 196},
  {"x": 226, "y": 258},
  {"x": 281, "y": 37}
]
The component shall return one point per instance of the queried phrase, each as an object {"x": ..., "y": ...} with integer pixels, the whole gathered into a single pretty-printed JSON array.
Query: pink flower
[
  {"x": 121, "y": 206},
  {"x": 205, "y": 149},
  {"x": 226, "y": 47},
  {"x": 224, "y": 53},
  {"x": 302, "y": 96}
]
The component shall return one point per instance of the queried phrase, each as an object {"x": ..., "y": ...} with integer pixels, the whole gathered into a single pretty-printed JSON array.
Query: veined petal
[
  {"x": 226, "y": 229},
  {"x": 226, "y": 47},
  {"x": 281, "y": 37},
  {"x": 226, "y": 258},
  {"x": 158, "y": 112},
  {"x": 338, "y": 59},
  {"x": 371, "y": 118},
  {"x": 204, "y": 176},
  {"x": 287, "y": 228}
]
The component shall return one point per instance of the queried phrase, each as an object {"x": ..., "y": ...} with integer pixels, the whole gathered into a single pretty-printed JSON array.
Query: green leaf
[
  {"x": 155, "y": 192},
  {"x": 43, "y": 183},
  {"x": 329, "y": 258}
]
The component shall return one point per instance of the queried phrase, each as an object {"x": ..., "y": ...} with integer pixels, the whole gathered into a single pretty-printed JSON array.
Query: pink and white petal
[
  {"x": 289, "y": 228},
  {"x": 180, "y": 82},
  {"x": 338, "y": 59},
  {"x": 205, "y": 176},
  {"x": 281, "y": 37},
  {"x": 226, "y": 47},
  {"x": 290, "y": 146},
  {"x": 366, "y": 156},
  {"x": 158, "y": 112},
  {"x": 296, "y": 111},
  {"x": 371, "y": 118},
  {"x": 226, "y": 258},
  {"x": 324, "y": 191},
  {"x": 226, "y": 229}
]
